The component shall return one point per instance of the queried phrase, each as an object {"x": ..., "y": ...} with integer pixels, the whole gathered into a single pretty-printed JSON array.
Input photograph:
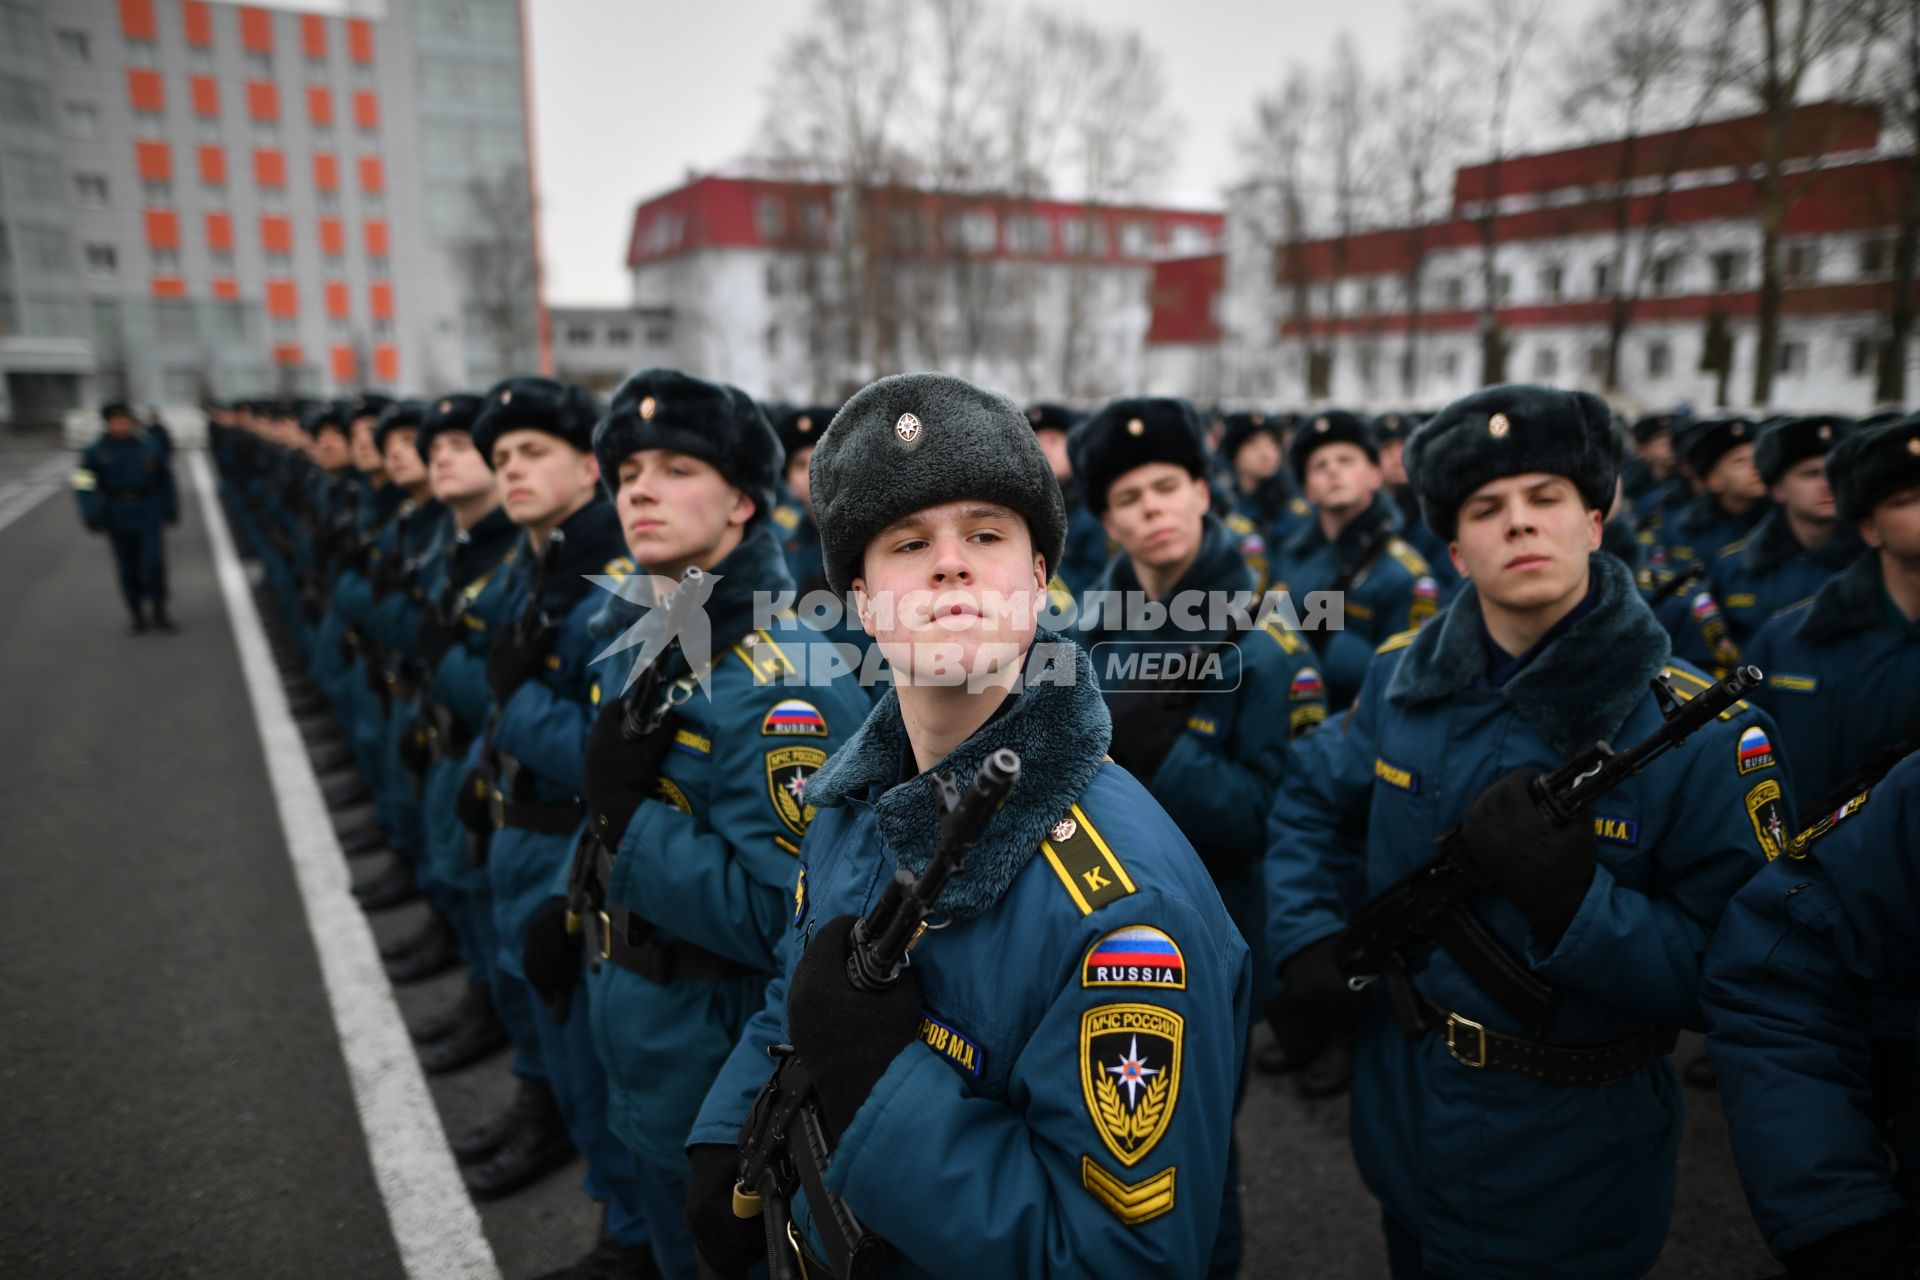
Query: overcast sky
[{"x": 631, "y": 96}]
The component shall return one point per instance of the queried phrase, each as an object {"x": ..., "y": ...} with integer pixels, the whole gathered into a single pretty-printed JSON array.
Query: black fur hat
[
  {"x": 917, "y": 440},
  {"x": 369, "y": 404},
  {"x": 800, "y": 426},
  {"x": 1131, "y": 433},
  {"x": 1706, "y": 442},
  {"x": 1049, "y": 416},
  {"x": 117, "y": 408},
  {"x": 327, "y": 415},
  {"x": 1508, "y": 431},
  {"x": 398, "y": 415},
  {"x": 1335, "y": 426},
  {"x": 719, "y": 424},
  {"x": 455, "y": 412},
  {"x": 1396, "y": 425},
  {"x": 1790, "y": 441},
  {"x": 1242, "y": 427},
  {"x": 1871, "y": 464},
  {"x": 527, "y": 402},
  {"x": 1649, "y": 425}
]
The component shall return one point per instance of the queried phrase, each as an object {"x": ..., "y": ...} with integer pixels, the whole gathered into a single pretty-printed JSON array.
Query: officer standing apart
[
  {"x": 1496, "y": 1151},
  {"x": 1790, "y": 986},
  {"x": 1210, "y": 746},
  {"x": 124, "y": 485},
  {"x": 1048, "y": 1088}
]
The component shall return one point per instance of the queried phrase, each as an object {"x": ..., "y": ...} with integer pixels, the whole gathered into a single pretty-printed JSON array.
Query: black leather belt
[
  {"x": 1568, "y": 1062},
  {"x": 546, "y": 819},
  {"x": 627, "y": 940}
]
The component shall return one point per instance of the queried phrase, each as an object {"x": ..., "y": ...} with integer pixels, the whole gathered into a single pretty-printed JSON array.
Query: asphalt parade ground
[{"x": 203, "y": 1071}]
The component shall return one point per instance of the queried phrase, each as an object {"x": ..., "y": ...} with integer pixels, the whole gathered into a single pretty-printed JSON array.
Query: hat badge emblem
[
  {"x": 1826, "y": 433},
  {"x": 907, "y": 427},
  {"x": 506, "y": 397},
  {"x": 446, "y": 406},
  {"x": 1033, "y": 415},
  {"x": 1913, "y": 445},
  {"x": 1258, "y": 419},
  {"x": 646, "y": 407},
  {"x": 1321, "y": 424},
  {"x": 804, "y": 425},
  {"x": 1063, "y": 830},
  {"x": 1498, "y": 426},
  {"x": 1135, "y": 427}
]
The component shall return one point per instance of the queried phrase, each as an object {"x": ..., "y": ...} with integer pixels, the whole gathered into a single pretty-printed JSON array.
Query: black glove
[
  {"x": 551, "y": 956},
  {"x": 1146, "y": 724},
  {"x": 376, "y": 672},
  {"x": 1544, "y": 868},
  {"x": 473, "y": 804},
  {"x": 438, "y": 635},
  {"x": 727, "y": 1244},
  {"x": 1882, "y": 1250},
  {"x": 515, "y": 658},
  {"x": 1314, "y": 1000},
  {"x": 415, "y": 756},
  {"x": 620, "y": 771},
  {"x": 847, "y": 1037}
]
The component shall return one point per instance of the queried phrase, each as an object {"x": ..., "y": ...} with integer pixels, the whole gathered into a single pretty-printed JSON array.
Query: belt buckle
[
  {"x": 499, "y": 808},
  {"x": 1454, "y": 1023},
  {"x": 606, "y": 935}
]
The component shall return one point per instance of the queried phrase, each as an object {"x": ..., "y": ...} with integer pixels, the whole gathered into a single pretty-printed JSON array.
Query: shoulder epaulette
[
  {"x": 1085, "y": 864},
  {"x": 1058, "y": 597},
  {"x": 1734, "y": 548},
  {"x": 84, "y": 480},
  {"x": 786, "y": 517},
  {"x": 1410, "y": 560},
  {"x": 1802, "y": 844},
  {"x": 764, "y": 657},
  {"x": 618, "y": 567},
  {"x": 1687, "y": 686},
  {"x": 1289, "y": 643},
  {"x": 1240, "y": 523},
  {"x": 1789, "y": 608},
  {"x": 1398, "y": 640},
  {"x": 1299, "y": 507}
]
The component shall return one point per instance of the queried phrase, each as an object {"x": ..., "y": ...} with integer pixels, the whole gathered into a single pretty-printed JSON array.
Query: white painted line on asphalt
[
  {"x": 21, "y": 496},
  {"x": 434, "y": 1221}
]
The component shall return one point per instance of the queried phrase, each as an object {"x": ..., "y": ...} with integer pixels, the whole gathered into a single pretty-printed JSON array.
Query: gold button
[
  {"x": 1135, "y": 427},
  {"x": 1913, "y": 445},
  {"x": 1320, "y": 424},
  {"x": 506, "y": 397},
  {"x": 446, "y": 405},
  {"x": 647, "y": 407},
  {"x": 1498, "y": 426},
  {"x": 804, "y": 425}
]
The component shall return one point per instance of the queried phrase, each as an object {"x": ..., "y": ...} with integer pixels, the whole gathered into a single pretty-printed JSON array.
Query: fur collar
[
  {"x": 1218, "y": 566},
  {"x": 1581, "y": 687},
  {"x": 1310, "y": 539},
  {"x": 1772, "y": 544},
  {"x": 1061, "y": 732},
  {"x": 1853, "y": 600}
]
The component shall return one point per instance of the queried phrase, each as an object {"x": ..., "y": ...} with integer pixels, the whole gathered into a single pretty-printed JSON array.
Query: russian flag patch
[
  {"x": 1755, "y": 751},
  {"x": 794, "y": 718},
  {"x": 1306, "y": 685},
  {"x": 1136, "y": 956}
]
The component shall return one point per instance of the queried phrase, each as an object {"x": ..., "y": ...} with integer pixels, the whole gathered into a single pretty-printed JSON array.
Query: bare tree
[
  {"x": 1277, "y": 153},
  {"x": 498, "y": 269},
  {"x": 1895, "y": 84},
  {"x": 1351, "y": 150}
]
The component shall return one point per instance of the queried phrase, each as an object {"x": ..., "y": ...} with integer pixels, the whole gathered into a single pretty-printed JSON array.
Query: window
[
  {"x": 231, "y": 322},
  {"x": 166, "y": 262},
  {"x": 1546, "y": 364},
  {"x": 1659, "y": 359},
  {"x": 174, "y": 322},
  {"x": 658, "y": 336},
  {"x": 768, "y": 218},
  {"x": 1502, "y": 286},
  {"x": 1603, "y": 279},
  {"x": 1029, "y": 234},
  {"x": 157, "y": 191},
  {"x": 90, "y": 190},
  {"x": 1369, "y": 365},
  {"x": 80, "y": 119},
  {"x": 773, "y": 339},
  {"x": 1552, "y": 282},
  {"x": 199, "y": 58},
  {"x": 73, "y": 46},
  {"x": 24, "y": 102},
  {"x": 1597, "y": 362},
  {"x": 1666, "y": 274},
  {"x": 775, "y": 280},
  {"x": 1370, "y": 299},
  {"x": 181, "y": 386},
  {"x": 1449, "y": 363},
  {"x": 1084, "y": 238},
  {"x": 36, "y": 178},
  {"x": 1453, "y": 293},
  {"x": 1802, "y": 261},
  {"x": 1790, "y": 358},
  {"x": 1876, "y": 256},
  {"x": 258, "y": 64},
  {"x": 1863, "y": 357},
  {"x": 44, "y": 249},
  {"x": 579, "y": 335},
  {"x": 1729, "y": 270},
  {"x": 619, "y": 336},
  {"x": 222, "y": 262},
  {"x": 142, "y": 53},
  {"x": 1136, "y": 239},
  {"x": 280, "y": 264}
]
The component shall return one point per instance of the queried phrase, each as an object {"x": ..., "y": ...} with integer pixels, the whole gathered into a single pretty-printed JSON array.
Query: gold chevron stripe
[{"x": 1132, "y": 1203}]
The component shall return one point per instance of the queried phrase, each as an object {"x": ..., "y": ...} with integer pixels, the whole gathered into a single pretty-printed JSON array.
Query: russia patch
[
  {"x": 1306, "y": 684},
  {"x": 794, "y": 718},
  {"x": 1426, "y": 589},
  {"x": 1136, "y": 956},
  {"x": 1755, "y": 751},
  {"x": 1704, "y": 607}
]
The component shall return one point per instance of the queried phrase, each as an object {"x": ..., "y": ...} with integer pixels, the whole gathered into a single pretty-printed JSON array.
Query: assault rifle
[
  {"x": 1427, "y": 908},
  {"x": 784, "y": 1147}
]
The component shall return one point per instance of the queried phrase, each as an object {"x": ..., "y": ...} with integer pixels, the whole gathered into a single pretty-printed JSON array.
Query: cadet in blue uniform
[
  {"x": 1843, "y": 670},
  {"x": 1087, "y": 548},
  {"x": 1211, "y": 746},
  {"x": 1732, "y": 497},
  {"x": 1048, "y": 1089},
  {"x": 1391, "y": 432},
  {"x": 1651, "y": 479},
  {"x": 792, "y": 514},
  {"x": 1263, "y": 489},
  {"x": 694, "y": 828},
  {"x": 124, "y": 485},
  {"x": 1352, "y": 545},
  {"x": 1801, "y": 956},
  {"x": 1496, "y": 1150},
  {"x": 1800, "y": 542},
  {"x": 537, "y": 433}
]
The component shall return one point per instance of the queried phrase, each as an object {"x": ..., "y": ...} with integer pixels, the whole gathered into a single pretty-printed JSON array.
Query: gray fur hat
[
  {"x": 1512, "y": 430},
  {"x": 917, "y": 440}
]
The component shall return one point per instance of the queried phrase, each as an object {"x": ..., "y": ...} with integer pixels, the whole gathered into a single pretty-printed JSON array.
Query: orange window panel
[
  {"x": 276, "y": 233},
  {"x": 256, "y": 30},
  {"x": 146, "y": 90},
  {"x": 283, "y": 298},
  {"x": 263, "y": 100},
  {"x": 206, "y": 95},
  {"x": 320, "y": 104},
  {"x": 366, "y": 109},
  {"x": 313, "y": 34},
  {"x": 339, "y": 301},
  {"x": 285, "y": 353},
  {"x": 220, "y": 232},
  {"x": 376, "y": 238},
  {"x": 386, "y": 363},
  {"x": 213, "y": 166},
  {"x": 169, "y": 287},
  {"x": 373, "y": 175},
  {"x": 380, "y": 299},
  {"x": 198, "y": 21},
  {"x": 226, "y": 290},
  {"x": 136, "y": 20},
  {"x": 326, "y": 171},
  {"x": 360, "y": 39},
  {"x": 333, "y": 237},
  {"x": 345, "y": 367},
  {"x": 163, "y": 229},
  {"x": 269, "y": 167},
  {"x": 154, "y": 161}
]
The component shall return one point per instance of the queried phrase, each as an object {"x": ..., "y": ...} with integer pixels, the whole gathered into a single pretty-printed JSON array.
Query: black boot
[
  {"x": 474, "y": 1145},
  {"x": 308, "y": 704},
  {"x": 345, "y": 795},
  {"x": 164, "y": 620},
  {"x": 611, "y": 1260},
  {"x": 333, "y": 758},
  {"x": 474, "y": 1004},
  {"x": 478, "y": 1038},
  {"x": 1699, "y": 1072},
  {"x": 396, "y": 948},
  {"x": 1331, "y": 1071},
  {"x": 537, "y": 1145},
  {"x": 435, "y": 956},
  {"x": 362, "y": 837},
  {"x": 139, "y": 626},
  {"x": 390, "y": 888}
]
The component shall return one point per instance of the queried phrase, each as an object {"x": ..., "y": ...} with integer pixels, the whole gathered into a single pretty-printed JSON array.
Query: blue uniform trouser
[
  {"x": 398, "y": 790},
  {"x": 139, "y": 557},
  {"x": 1403, "y": 1251},
  {"x": 663, "y": 1199},
  {"x": 580, "y": 1085}
]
